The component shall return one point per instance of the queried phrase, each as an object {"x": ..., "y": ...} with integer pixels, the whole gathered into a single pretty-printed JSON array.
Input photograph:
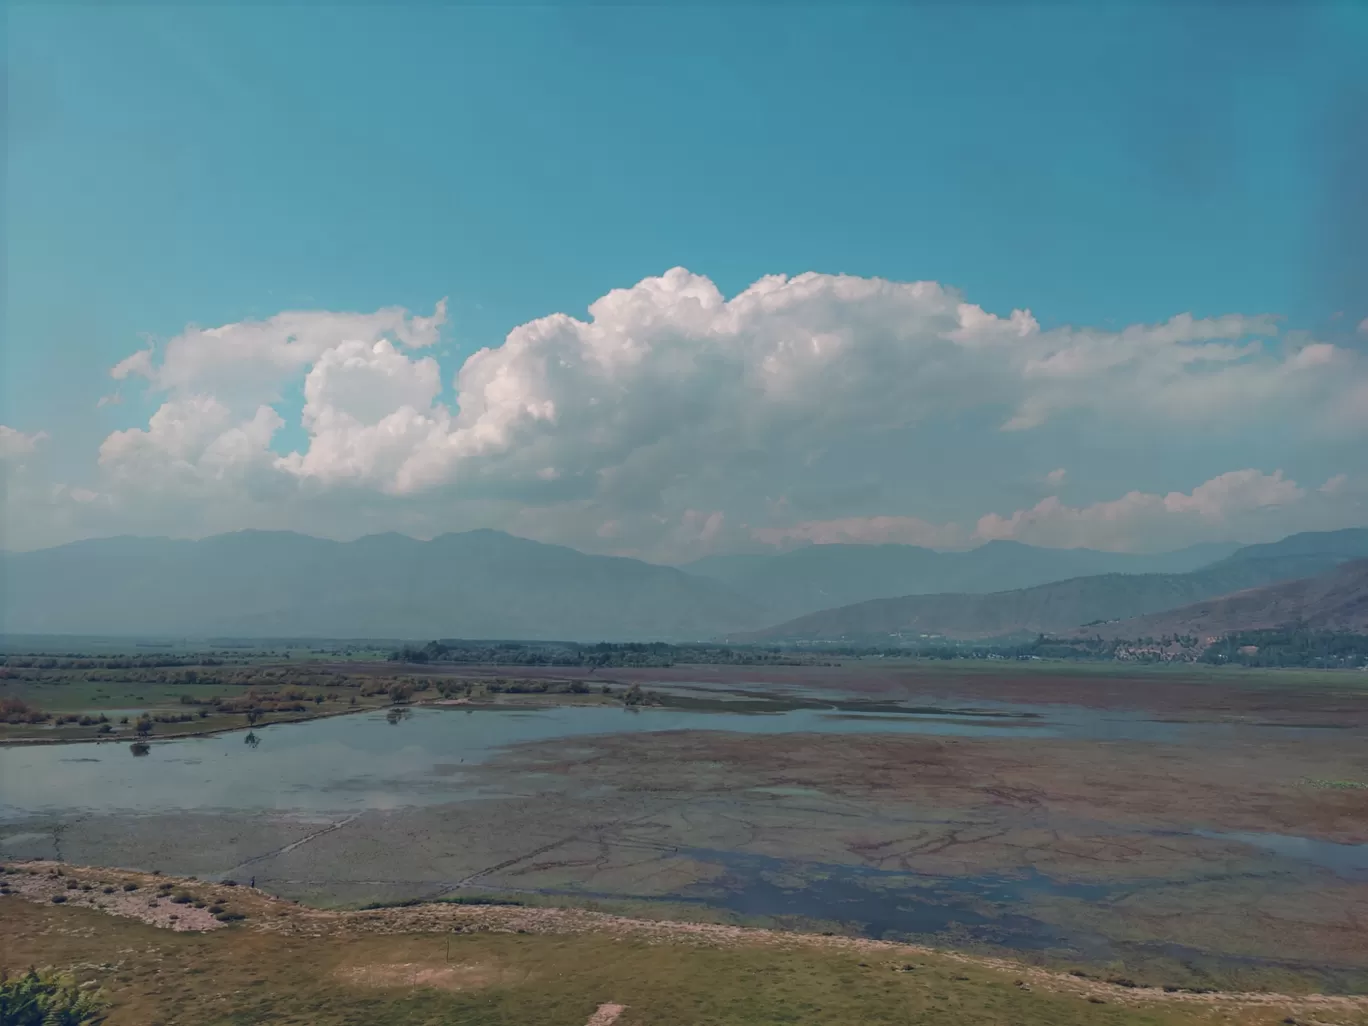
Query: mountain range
[
  {"x": 478, "y": 584},
  {"x": 1335, "y": 601},
  {"x": 487, "y": 584},
  {"x": 806, "y": 580},
  {"x": 1061, "y": 606}
]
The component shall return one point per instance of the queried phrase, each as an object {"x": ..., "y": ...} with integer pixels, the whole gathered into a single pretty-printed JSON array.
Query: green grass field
[{"x": 245, "y": 975}]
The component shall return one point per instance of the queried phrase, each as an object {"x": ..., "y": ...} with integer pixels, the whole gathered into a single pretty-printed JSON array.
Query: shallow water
[
  {"x": 356, "y": 762},
  {"x": 325, "y": 770},
  {"x": 894, "y": 905},
  {"x": 885, "y": 905},
  {"x": 1346, "y": 860},
  {"x": 362, "y": 762}
]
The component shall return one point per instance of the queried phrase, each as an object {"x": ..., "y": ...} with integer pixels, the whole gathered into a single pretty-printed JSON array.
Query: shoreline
[
  {"x": 181, "y": 736},
  {"x": 438, "y": 703}
]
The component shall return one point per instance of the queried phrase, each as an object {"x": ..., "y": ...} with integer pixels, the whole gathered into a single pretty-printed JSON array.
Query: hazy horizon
[{"x": 753, "y": 550}]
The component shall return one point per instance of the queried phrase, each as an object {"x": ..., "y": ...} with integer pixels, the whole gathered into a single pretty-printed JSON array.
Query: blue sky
[{"x": 1100, "y": 167}]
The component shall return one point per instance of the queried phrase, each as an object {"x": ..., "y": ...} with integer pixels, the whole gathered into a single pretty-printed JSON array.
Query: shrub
[
  {"x": 107, "y": 890},
  {"x": 182, "y": 899},
  {"x": 42, "y": 998},
  {"x": 72, "y": 885},
  {"x": 59, "y": 899},
  {"x": 16, "y": 710},
  {"x": 130, "y": 886},
  {"x": 229, "y": 917},
  {"x": 215, "y": 909}
]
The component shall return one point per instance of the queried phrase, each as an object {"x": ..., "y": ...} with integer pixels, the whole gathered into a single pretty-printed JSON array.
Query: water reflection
[{"x": 344, "y": 763}]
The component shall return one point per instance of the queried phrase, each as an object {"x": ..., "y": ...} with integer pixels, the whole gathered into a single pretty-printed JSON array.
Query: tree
[
  {"x": 253, "y": 715},
  {"x": 144, "y": 725}
]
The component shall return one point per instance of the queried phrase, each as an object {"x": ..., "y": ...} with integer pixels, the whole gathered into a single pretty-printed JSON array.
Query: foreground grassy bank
[{"x": 282, "y": 963}]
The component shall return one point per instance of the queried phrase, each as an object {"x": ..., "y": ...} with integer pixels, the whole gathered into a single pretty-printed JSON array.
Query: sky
[{"x": 669, "y": 280}]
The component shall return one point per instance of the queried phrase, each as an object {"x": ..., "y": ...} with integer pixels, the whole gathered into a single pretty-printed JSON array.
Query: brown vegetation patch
[
  {"x": 1200, "y": 693},
  {"x": 1239, "y": 786}
]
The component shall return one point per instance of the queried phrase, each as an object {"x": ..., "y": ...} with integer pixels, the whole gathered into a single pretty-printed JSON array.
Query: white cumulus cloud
[
  {"x": 251, "y": 359},
  {"x": 1242, "y": 505},
  {"x": 15, "y": 444},
  {"x": 1220, "y": 507},
  {"x": 671, "y": 419}
]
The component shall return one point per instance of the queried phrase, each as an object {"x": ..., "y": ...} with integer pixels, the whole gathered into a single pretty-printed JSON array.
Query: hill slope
[
  {"x": 481, "y": 584},
  {"x": 1337, "y": 601},
  {"x": 817, "y": 577},
  {"x": 1064, "y": 605}
]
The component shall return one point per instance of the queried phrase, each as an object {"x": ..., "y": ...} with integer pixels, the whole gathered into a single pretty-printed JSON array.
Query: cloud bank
[{"x": 673, "y": 420}]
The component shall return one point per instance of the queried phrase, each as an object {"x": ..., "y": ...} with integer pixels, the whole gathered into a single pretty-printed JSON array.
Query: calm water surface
[
  {"x": 362, "y": 762},
  {"x": 355, "y": 762}
]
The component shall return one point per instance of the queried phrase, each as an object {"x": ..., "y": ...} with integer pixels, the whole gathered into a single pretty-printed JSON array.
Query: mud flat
[{"x": 1185, "y": 845}]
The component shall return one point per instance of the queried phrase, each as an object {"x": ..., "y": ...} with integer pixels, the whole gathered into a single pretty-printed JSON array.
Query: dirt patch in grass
[{"x": 464, "y": 976}]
